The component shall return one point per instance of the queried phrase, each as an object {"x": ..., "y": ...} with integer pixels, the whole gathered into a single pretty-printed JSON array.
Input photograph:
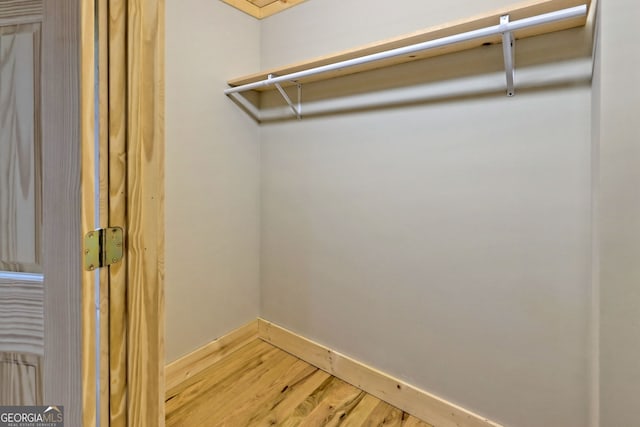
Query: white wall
[
  {"x": 618, "y": 221},
  {"x": 212, "y": 175},
  {"x": 447, "y": 243}
]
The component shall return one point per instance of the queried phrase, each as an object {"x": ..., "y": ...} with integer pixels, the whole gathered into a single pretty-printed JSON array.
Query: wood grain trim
[
  {"x": 261, "y": 9},
  {"x": 145, "y": 215},
  {"x": 410, "y": 399},
  {"x": 20, "y": 11},
  {"x": 519, "y": 11},
  {"x": 197, "y": 361},
  {"x": 88, "y": 185},
  {"x": 262, "y": 3},
  {"x": 117, "y": 129},
  {"x": 102, "y": 20},
  {"x": 61, "y": 38},
  {"x": 21, "y": 317},
  {"x": 245, "y": 6},
  {"x": 277, "y": 6}
]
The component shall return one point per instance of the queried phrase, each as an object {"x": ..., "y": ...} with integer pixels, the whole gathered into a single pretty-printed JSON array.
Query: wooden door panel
[
  {"x": 21, "y": 316},
  {"x": 22, "y": 379},
  {"x": 20, "y": 148},
  {"x": 20, "y": 11},
  {"x": 21, "y": 340},
  {"x": 21, "y": 284}
]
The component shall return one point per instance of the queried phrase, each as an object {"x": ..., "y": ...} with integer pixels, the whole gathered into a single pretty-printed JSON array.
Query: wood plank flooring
[{"x": 261, "y": 385}]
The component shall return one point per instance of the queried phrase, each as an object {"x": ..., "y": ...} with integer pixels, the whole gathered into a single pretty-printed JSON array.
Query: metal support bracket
[
  {"x": 297, "y": 110},
  {"x": 508, "y": 49},
  {"x": 103, "y": 247}
]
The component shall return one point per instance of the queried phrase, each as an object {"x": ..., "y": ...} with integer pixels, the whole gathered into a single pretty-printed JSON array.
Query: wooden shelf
[{"x": 519, "y": 11}]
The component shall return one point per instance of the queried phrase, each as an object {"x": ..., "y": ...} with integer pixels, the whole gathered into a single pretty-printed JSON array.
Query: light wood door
[{"x": 43, "y": 291}]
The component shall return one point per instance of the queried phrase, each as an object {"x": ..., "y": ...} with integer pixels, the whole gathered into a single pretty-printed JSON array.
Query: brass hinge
[{"x": 103, "y": 247}]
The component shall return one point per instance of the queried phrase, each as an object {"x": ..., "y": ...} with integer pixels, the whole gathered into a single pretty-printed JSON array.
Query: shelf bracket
[
  {"x": 297, "y": 109},
  {"x": 508, "y": 50}
]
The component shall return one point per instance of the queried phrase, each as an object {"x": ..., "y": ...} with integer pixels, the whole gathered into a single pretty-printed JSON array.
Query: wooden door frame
[
  {"x": 136, "y": 199},
  {"x": 68, "y": 122},
  {"x": 131, "y": 119}
]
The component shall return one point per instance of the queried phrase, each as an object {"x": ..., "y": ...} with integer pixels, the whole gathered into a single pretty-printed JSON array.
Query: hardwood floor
[{"x": 261, "y": 385}]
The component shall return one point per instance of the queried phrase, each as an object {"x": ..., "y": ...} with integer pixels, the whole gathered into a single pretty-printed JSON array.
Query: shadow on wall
[{"x": 471, "y": 74}]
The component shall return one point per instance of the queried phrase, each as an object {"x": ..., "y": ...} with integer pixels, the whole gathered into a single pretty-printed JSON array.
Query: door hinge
[{"x": 103, "y": 247}]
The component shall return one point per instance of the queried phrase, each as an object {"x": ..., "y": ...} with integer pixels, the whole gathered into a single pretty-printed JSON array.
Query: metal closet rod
[{"x": 494, "y": 30}]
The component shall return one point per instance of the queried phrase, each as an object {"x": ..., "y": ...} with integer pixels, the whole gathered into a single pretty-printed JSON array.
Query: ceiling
[{"x": 262, "y": 8}]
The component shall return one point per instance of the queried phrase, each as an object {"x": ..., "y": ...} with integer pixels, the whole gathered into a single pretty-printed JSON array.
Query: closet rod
[{"x": 494, "y": 30}]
